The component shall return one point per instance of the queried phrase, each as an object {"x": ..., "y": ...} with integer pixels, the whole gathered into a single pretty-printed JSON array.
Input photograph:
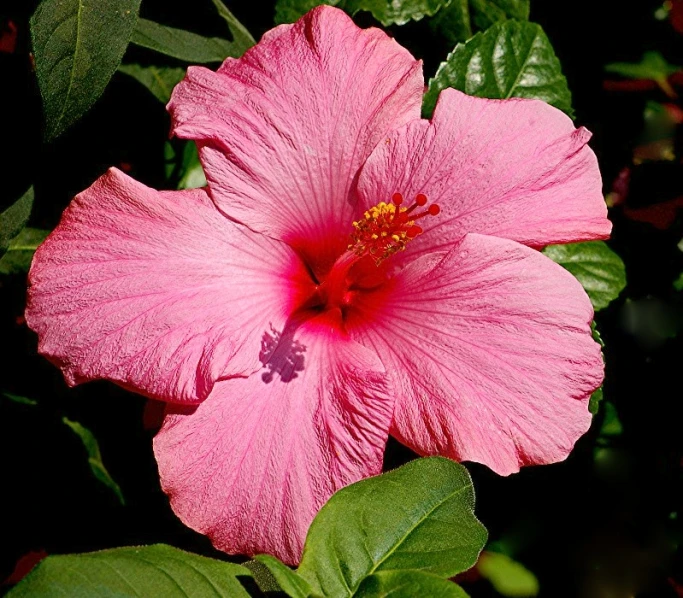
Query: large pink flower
[{"x": 290, "y": 342}]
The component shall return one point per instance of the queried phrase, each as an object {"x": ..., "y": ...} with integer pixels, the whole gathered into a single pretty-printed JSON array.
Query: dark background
[{"x": 605, "y": 523}]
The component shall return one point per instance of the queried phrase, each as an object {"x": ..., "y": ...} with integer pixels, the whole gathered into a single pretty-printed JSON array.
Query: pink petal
[
  {"x": 513, "y": 168},
  {"x": 157, "y": 291},
  {"x": 285, "y": 128},
  {"x": 253, "y": 464},
  {"x": 492, "y": 350}
]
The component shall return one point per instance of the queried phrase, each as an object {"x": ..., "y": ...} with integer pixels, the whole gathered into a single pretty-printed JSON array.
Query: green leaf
[
  {"x": 20, "y": 400},
  {"x": 21, "y": 249},
  {"x": 14, "y": 218},
  {"x": 288, "y": 11},
  {"x": 408, "y": 584},
  {"x": 192, "y": 174},
  {"x": 487, "y": 12},
  {"x": 597, "y": 396},
  {"x": 678, "y": 283},
  {"x": 152, "y": 571},
  {"x": 595, "y": 400},
  {"x": 453, "y": 22},
  {"x": 457, "y": 21},
  {"x": 611, "y": 424},
  {"x": 652, "y": 66},
  {"x": 289, "y": 581},
  {"x": 394, "y": 12},
  {"x": 183, "y": 45},
  {"x": 95, "y": 457},
  {"x": 159, "y": 80},
  {"x": 599, "y": 270},
  {"x": 419, "y": 516},
  {"x": 508, "y": 577},
  {"x": 387, "y": 12},
  {"x": 511, "y": 59},
  {"x": 77, "y": 45},
  {"x": 241, "y": 37}
]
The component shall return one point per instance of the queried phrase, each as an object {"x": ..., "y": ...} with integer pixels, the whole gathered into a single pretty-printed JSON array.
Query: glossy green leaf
[
  {"x": 458, "y": 20},
  {"x": 487, "y": 12},
  {"x": 387, "y": 12},
  {"x": 419, "y": 516},
  {"x": 21, "y": 249},
  {"x": 182, "y": 44},
  {"x": 599, "y": 270},
  {"x": 94, "y": 457},
  {"x": 394, "y": 12},
  {"x": 408, "y": 584},
  {"x": 508, "y": 577},
  {"x": 453, "y": 22},
  {"x": 159, "y": 80},
  {"x": 290, "y": 582},
  {"x": 511, "y": 59},
  {"x": 149, "y": 571},
  {"x": 14, "y": 218},
  {"x": 77, "y": 45},
  {"x": 241, "y": 37}
]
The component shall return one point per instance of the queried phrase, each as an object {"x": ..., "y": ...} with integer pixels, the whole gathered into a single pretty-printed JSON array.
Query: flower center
[
  {"x": 388, "y": 227},
  {"x": 384, "y": 230}
]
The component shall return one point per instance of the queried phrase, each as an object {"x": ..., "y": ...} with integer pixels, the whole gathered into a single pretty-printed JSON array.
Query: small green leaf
[
  {"x": 394, "y": 12},
  {"x": 159, "y": 80},
  {"x": 508, "y": 577},
  {"x": 597, "y": 396},
  {"x": 599, "y": 270},
  {"x": 95, "y": 457},
  {"x": 453, "y": 22},
  {"x": 511, "y": 59},
  {"x": 14, "y": 218},
  {"x": 241, "y": 37},
  {"x": 595, "y": 400},
  {"x": 21, "y": 249},
  {"x": 288, "y": 11},
  {"x": 289, "y": 581},
  {"x": 408, "y": 584},
  {"x": 20, "y": 400},
  {"x": 487, "y": 12},
  {"x": 678, "y": 283},
  {"x": 152, "y": 571},
  {"x": 652, "y": 66},
  {"x": 611, "y": 424},
  {"x": 387, "y": 12},
  {"x": 419, "y": 516},
  {"x": 183, "y": 45},
  {"x": 192, "y": 174},
  {"x": 457, "y": 21},
  {"x": 77, "y": 45}
]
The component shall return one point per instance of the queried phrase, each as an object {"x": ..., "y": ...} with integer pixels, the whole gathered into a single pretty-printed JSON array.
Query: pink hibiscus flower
[{"x": 312, "y": 301}]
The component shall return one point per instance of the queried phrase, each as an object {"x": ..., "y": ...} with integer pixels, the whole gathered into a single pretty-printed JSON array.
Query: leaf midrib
[{"x": 73, "y": 67}]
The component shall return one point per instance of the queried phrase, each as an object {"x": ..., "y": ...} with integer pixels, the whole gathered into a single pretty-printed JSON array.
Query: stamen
[{"x": 387, "y": 227}]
